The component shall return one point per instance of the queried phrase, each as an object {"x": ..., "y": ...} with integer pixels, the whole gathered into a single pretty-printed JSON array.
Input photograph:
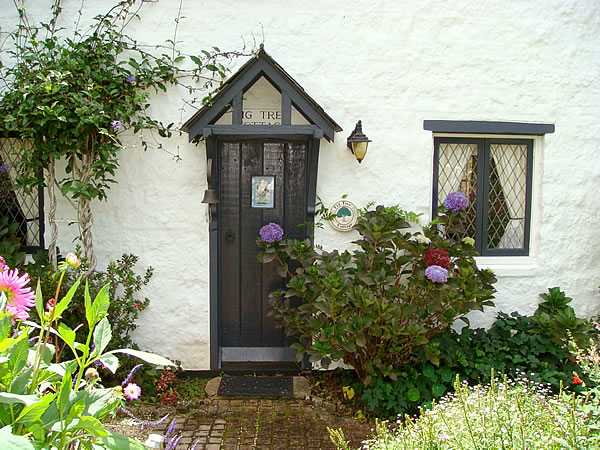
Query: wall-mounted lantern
[{"x": 358, "y": 142}]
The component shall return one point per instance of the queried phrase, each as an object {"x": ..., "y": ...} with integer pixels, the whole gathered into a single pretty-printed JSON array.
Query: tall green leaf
[
  {"x": 39, "y": 301},
  {"x": 145, "y": 356},
  {"x": 18, "y": 357},
  {"x": 13, "y": 442},
  {"x": 33, "y": 414},
  {"x": 102, "y": 335},
  {"x": 62, "y": 401},
  {"x": 10, "y": 399},
  {"x": 64, "y": 303},
  {"x": 92, "y": 425}
]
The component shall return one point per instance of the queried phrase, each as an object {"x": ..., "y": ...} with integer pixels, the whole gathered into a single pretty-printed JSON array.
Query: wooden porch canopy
[{"x": 231, "y": 95}]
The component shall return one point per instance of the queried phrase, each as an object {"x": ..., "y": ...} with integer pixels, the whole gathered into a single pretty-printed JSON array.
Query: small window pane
[
  {"x": 458, "y": 172},
  {"x": 507, "y": 196},
  {"x": 262, "y": 104},
  {"x": 20, "y": 207},
  {"x": 298, "y": 118}
]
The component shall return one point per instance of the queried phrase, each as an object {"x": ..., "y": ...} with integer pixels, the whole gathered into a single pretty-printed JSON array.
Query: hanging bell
[{"x": 210, "y": 197}]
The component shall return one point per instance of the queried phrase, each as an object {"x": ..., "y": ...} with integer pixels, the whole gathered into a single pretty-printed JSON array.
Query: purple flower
[
  {"x": 5, "y": 167},
  {"x": 456, "y": 201},
  {"x": 141, "y": 422},
  {"x": 437, "y": 274},
  {"x": 170, "y": 433},
  {"x": 116, "y": 125},
  {"x": 271, "y": 233},
  {"x": 131, "y": 79},
  {"x": 130, "y": 376}
]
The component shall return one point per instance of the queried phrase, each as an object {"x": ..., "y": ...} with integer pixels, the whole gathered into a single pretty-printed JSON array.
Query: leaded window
[
  {"x": 21, "y": 211},
  {"x": 495, "y": 175}
]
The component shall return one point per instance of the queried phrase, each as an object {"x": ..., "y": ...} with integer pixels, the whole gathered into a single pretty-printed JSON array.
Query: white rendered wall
[{"x": 392, "y": 65}]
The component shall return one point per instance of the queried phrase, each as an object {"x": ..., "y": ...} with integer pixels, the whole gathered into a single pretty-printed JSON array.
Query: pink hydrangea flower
[
  {"x": 19, "y": 296},
  {"x": 132, "y": 391}
]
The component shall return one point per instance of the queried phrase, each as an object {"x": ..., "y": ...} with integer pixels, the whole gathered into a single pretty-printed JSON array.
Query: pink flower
[
  {"x": 19, "y": 296},
  {"x": 132, "y": 391},
  {"x": 3, "y": 265}
]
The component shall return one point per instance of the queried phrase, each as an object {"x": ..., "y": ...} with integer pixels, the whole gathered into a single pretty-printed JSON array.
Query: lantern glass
[{"x": 360, "y": 150}]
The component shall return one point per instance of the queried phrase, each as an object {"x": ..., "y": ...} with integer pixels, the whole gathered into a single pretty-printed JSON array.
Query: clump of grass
[{"x": 503, "y": 414}]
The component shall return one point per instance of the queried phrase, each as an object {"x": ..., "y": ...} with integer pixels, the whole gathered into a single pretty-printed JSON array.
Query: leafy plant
[
  {"x": 60, "y": 405},
  {"x": 510, "y": 346},
  {"x": 556, "y": 318},
  {"x": 10, "y": 243},
  {"x": 417, "y": 385},
  {"x": 376, "y": 306},
  {"x": 74, "y": 96},
  {"x": 166, "y": 389},
  {"x": 190, "y": 388},
  {"x": 502, "y": 414}
]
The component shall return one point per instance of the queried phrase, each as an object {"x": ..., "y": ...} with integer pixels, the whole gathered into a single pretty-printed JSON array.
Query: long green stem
[
  {"x": 42, "y": 346},
  {"x": 85, "y": 361}
]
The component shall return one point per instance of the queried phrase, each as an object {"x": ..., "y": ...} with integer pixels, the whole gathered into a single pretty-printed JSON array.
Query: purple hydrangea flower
[
  {"x": 456, "y": 201},
  {"x": 271, "y": 233},
  {"x": 437, "y": 274},
  {"x": 131, "y": 79},
  {"x": 116, "y": 125}
]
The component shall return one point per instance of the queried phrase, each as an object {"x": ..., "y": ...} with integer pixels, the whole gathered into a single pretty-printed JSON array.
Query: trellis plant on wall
[{"x": 263, "y": 132}]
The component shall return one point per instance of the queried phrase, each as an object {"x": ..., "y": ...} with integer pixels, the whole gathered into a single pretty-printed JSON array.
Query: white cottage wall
[{"x": 392, "y": 65}]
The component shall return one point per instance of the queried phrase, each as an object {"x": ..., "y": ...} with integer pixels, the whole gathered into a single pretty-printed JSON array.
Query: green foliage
[
  {"x": 503, "y": 414},
  {"x": 10, "y": 243},
  {"x": 65, "y": 92},
  {"x": 124, "y": 287},
  {"x": 374, "y": 307},
  {"x": 190, "y": 388},
  {"x": 557, "y": 319},
  {"x": 511, "y": 346},
  {"x": 54, "y": 405},
  {"x": 417, "y": 385}
]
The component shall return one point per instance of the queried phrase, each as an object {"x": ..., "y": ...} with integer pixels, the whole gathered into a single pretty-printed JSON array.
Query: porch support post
[{"x": 213, "y": 230}]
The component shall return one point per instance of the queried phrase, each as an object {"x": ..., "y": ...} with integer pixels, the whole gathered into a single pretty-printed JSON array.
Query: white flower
[{"x": 423, "y": 239}]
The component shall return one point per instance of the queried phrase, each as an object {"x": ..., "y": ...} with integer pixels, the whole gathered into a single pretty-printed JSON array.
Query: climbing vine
[{"x": 74, "y": 97}]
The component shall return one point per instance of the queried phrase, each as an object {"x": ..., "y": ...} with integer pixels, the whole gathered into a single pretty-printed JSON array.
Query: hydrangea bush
[{"x": 377, "y": 306}]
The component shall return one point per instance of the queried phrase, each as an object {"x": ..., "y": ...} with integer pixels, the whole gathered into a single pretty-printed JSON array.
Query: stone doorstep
[{"x": 301, "y": 388}]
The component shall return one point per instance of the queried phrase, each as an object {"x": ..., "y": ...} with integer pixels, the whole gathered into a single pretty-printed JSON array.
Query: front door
[{"x": 260, "y": 182}]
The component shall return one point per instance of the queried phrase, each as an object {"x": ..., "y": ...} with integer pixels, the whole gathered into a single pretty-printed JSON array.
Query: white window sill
[{"x": 509, "y": 266}]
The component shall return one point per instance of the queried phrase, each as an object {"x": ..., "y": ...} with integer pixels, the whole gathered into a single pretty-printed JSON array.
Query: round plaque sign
[{"x": 345, "y": 215}]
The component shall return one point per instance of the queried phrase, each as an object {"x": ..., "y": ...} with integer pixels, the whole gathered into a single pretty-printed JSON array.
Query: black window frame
[
  {"x": 483, "y": 186},
  {"x": 32, "y": 249}
]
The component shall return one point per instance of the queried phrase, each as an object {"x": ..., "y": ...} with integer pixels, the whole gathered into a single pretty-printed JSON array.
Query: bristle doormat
[{"x": 249, "y": 386}]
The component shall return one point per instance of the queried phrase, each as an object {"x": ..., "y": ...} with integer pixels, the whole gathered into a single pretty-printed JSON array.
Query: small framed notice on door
[{"x": 263, "y": 192}]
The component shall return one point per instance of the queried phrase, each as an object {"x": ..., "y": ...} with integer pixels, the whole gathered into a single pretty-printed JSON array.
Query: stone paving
[{"x": 262, "y": 424}]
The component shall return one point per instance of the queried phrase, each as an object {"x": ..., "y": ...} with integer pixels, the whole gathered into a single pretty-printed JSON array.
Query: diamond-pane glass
[
  {"x": 507, "y": 195},
  {"x": 20, "y": 207},
  {"x": 458, "y": 172}
]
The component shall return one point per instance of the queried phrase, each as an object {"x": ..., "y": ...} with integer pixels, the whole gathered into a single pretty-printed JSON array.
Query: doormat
[{"x": 238, "y": 386}]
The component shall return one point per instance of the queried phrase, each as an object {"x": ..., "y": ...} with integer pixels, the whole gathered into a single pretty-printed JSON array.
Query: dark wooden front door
[{"x": 246, "y": 332}]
